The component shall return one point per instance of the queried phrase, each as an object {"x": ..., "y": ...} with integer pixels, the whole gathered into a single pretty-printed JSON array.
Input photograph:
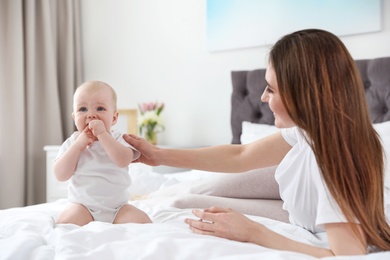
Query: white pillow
[
  {"x": 252, "y": 132},
  {"x": 383, "y": 129}
]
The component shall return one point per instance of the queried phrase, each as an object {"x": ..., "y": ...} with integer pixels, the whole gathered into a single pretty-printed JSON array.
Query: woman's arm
[
  {"x": 344, "y": 241},
  {"x": 265, "y": 152},
  {"x": 227, "y": 223}
]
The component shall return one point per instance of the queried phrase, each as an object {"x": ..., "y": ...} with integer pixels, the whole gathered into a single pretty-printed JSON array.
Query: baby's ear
[
  {"x": 73, "y": 115},
  {"x": 115, "y": 118}
]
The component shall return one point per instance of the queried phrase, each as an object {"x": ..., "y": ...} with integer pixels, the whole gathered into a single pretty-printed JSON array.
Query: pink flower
[{"x": 151, "y": 106}]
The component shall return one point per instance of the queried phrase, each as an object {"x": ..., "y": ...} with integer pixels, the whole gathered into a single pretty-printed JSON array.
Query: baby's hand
[
  {"x": 97, "y": 127},
  {"x": 85, "y": 138}
]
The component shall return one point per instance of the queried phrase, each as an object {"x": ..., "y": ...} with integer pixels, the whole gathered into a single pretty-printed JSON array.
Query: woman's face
[{"x": 272, "y": 96}]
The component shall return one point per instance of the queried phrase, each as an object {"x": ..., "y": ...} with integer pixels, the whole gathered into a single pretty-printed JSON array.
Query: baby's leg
[
  {"x": 130, "y": 214},
  {"x": 74, "y": 214}
]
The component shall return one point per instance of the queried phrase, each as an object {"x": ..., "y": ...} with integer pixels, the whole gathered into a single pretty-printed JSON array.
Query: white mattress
[{"x": 31, "y": 233}]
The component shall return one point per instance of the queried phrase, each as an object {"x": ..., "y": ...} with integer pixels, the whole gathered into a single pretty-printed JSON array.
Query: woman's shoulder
[{"x": 291, "y": 135}]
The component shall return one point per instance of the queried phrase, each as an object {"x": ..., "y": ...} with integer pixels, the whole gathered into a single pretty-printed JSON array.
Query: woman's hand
[
  {"x": 148, "y": 151},
  {"x": 225, "y": 223}
]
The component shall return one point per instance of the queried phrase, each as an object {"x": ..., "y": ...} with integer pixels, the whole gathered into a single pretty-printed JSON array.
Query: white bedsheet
[{"x": 30, "y": 233}]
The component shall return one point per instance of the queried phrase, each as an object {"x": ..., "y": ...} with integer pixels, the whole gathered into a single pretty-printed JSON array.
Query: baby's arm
[
  {"x": 121, "y": 155},
  {"x": 65, "y": 166}
]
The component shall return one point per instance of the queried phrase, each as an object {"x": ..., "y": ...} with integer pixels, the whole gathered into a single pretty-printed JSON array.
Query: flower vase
[{"x": 151, "y": 137}]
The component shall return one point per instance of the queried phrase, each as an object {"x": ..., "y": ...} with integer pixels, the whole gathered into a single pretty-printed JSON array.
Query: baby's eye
[
  {"x": 101, "y": 109},
  {"x": 83, "y": 109}
]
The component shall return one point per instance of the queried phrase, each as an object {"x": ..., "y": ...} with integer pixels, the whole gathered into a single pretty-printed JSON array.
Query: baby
[{"x": 95, "y": 160}]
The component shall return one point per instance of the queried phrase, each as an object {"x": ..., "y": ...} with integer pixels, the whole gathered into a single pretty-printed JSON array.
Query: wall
[{"x": 156, "y": 50}]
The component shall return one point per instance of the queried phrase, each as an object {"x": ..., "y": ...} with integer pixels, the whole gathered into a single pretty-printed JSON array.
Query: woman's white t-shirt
[{"x": 302, "y": 189}]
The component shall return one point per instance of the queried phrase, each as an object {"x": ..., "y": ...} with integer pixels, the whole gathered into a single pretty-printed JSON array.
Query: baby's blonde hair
[{"x": 94, "y": 85}]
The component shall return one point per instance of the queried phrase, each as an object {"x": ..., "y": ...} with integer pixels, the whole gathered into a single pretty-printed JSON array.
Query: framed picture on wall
[
  {"x": 233, "y": 24},
  {"x": 127, "y": 121}
]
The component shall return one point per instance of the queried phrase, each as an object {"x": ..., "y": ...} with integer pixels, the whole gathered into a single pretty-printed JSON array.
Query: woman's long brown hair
[{"x": 323, "y": 93}]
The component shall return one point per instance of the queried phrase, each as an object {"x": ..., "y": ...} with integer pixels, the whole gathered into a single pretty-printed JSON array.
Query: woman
[{"x": 330, "y": 159}]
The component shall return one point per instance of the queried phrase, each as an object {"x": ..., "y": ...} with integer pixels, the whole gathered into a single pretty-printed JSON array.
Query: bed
[{"x": 168, "y": 198}]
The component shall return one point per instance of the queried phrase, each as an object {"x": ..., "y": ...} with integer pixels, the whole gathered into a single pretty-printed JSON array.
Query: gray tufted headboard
[{"x": 249, "y": 85}]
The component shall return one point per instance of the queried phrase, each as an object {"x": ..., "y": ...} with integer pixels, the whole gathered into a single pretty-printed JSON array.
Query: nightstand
[{"x": 54, "y": 189}]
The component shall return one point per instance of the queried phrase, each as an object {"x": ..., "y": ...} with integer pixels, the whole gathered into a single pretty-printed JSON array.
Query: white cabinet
[{"x": 54, "y": 189}]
